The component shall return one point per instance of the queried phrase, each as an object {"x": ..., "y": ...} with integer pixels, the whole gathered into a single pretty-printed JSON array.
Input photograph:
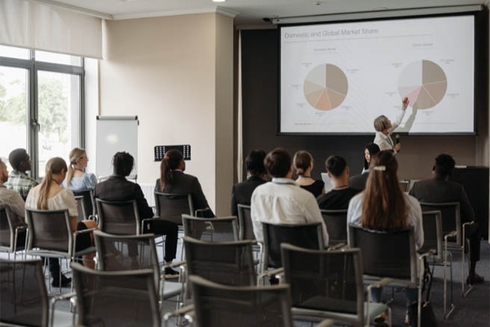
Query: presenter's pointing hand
[{"x": 405, "y": 103}]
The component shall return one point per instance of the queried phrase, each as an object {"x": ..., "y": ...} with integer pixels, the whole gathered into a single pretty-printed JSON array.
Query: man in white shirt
[{"x": 281, "y": 201}]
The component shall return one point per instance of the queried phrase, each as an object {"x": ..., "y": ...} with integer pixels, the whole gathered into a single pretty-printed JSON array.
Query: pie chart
[
  {"x": 325, "y": 87},
  {"x": 424, "y": 83}
]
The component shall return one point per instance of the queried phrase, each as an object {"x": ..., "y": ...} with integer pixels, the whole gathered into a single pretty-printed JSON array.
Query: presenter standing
[{"x": 384, "y": 128}]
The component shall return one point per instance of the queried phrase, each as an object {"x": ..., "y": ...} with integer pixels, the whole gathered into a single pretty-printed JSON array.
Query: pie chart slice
[
  {"x": 325, "y": 87},
  {"x": 424, "y": 83}
]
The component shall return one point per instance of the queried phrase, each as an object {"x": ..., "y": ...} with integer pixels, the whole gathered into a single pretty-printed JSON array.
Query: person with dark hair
[
  {"x": 359, "y": 181},
  {"x": 173, "y": 180},
  {"x": 282, "y": 201},
  {"x": 241, "y": 193},
  {"x": 384, "y": 128},
  {"x": 118, "y": 188},
  {"x": 338, "y": 198},
  {"x": 383, "y": 206},
  {"x": 49, "y": 195},
  {"x": 440, "y": 189},
  {"x": 15, "y": 203},
  {"x": 18, "y": 179},
  {"x": 303, "y": 164}
]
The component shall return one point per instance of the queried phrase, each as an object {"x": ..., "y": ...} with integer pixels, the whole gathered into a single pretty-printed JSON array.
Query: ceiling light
[{"x": 219, "y": 0}]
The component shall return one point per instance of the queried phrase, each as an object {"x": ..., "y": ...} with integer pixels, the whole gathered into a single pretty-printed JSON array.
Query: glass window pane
[
  {"x": 13, "y": 52},
  {"x": 58, "y": 117},
  {"x": 57, "y": 58},
  {"x": 13, "y": 110}
]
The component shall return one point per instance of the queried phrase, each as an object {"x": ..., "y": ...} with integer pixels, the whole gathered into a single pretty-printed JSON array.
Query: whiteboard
[{"x": 115, "y": 134}]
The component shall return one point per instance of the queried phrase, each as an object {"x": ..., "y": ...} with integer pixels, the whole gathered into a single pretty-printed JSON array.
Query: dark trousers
[
  {"x": 473, "y": 234},
  {"x": 160, "y": 226}
]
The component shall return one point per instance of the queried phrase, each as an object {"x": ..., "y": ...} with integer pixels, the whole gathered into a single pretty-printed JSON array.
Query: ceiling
[{"x": 246, "y": 12}]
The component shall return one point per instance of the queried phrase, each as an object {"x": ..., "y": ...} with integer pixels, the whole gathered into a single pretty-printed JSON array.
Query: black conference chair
[
  {"x": 336, "y": 222},
  {"x": 303, "y": 235},
  {"x": 328, "y": 284},
  {"x": 116, "y": 298},
  {"x": 433, "y": 242},
  {"x": 12, "y": 237},
  {"x": 389, "y": 255},
  {"x": 220, "y": 305},
  {"x": 87, "y": 199},
  {"x": 171, "y": 206},
  {"x": 454, "y": 232},
  {"x": 219, "y": 229},
  {"x": 24, "y": 298}
]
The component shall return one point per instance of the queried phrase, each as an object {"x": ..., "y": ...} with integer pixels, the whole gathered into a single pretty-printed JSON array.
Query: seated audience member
[
  {"x": 303, "y": 164},
  {"x": 173, "y": 180},
  {"x": 339, "y": 197},
  {"x": 15, "y": 203},
  {"x": 49, "y": 195},
  {"x": 383, "y": 206},
  {"x": 118, "y": 188},
  {"x": 282, "y": 201},
  {"x": 18, "y": 180},
  {"x": 76, "y": 178},
  {"x": 241, "y": 193},
  {"x": 439, "y": 189},
  {"x": 359, "y": 181}
]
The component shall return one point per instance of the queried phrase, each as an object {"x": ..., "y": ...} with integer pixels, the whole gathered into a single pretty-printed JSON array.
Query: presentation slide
[{"x": 337, "y": 78}]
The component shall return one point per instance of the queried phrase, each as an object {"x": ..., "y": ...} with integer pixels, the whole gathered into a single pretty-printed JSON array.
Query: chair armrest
[
  {"x": 381, "y": 283},
  {"x": 279, "y": 273},
  {"x": 185, "y": 311},
  {"x": 68, "y": 296},
  {"x": 175, "y": 264},
  {"x": 84, "y": 231},
  {"x": 326, "y": 323},
  {"x": 336, "y": 247},
  {"x": 451, "y": 234}
]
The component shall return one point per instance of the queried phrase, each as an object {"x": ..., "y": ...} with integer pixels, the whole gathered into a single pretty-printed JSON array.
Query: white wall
[{"x": 173, "y": 72}]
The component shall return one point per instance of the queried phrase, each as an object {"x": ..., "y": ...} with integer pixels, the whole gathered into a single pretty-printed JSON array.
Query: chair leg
[{"x": 446, "y": 313}]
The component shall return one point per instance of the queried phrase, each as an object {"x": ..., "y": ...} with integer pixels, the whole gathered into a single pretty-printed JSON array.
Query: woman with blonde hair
[
  {"x": 303, "y": 165},
  {"x": 383, "y": 206},
  {"x": 49, "y": 195},
  {"x": 76, "y": 178}
]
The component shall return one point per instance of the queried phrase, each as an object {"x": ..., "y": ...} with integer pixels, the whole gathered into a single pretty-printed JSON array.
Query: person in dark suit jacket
[
  {"x": 118, "y": 188},
  {"x": 359, "y": 181},
  {"x": 439, "y": 189},
  {"x": 173, "y": 180},
  {"x": 241, "y": 193}
]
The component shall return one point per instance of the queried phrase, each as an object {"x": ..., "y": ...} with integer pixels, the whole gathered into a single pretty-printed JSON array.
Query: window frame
[{"x": 33, "y": 67}]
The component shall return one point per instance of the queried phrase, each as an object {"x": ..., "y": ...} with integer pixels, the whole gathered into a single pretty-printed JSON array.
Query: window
[{"x": 41, "y": 107}]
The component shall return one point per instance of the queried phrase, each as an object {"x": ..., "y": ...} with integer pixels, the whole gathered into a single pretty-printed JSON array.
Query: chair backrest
[
  {"x": 228, "y": 263},
  {"x": 49, "y": 230},
  {"x": 245, "y": 225},
  {"x": 386, "y": 254},
  {"x": 336, "y": 222},
  {"x": 116, "y": 298},
  {"x": 171, "y": 206},
  {"x": 23, "y": 299},
  {"x": 82, "y": 212},
  {"x": 220, "y": 229},
  {"x": 451, "y": 217},
  {"x": 6, "y": 228},
  {"x": 433, "y": 238},
  {"x": 127, "y": 252},
  {"x": 303, "y": 235},
  {"x": 325, "y": 280},
  {"x": 405, "y": 185},
  {"x": 88, "y": 201},
  {"x": 220, "y": 305},
  {"x": 118, "y": 217}
]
